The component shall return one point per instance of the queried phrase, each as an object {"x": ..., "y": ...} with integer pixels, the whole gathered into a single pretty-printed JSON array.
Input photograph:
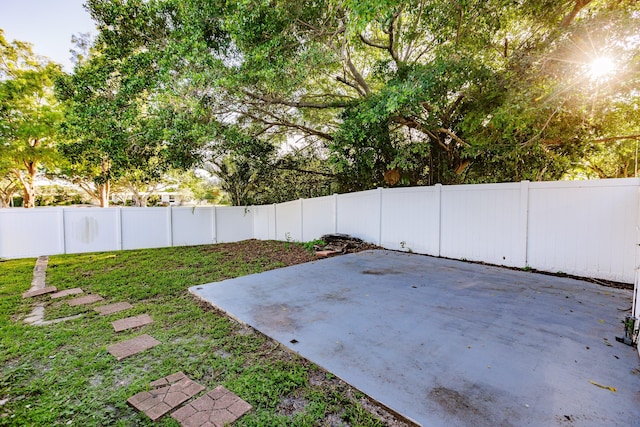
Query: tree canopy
[
  {"x": 402, "y": 92},
  {"x": 363, "y": 93}
]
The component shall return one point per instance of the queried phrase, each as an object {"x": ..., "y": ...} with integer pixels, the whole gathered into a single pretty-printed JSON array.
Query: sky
[{"x": 47, "y": 24}]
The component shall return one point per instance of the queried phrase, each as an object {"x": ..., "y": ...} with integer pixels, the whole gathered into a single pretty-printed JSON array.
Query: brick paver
[
  {"x": 66, "y": 292},
  {"x": 171, "y": 391},
  {"x": 133, "y": 346},
  {"x": 88, "y": 299},
  {"x": 131, "y": 322},
  {"x": 39, "y": 291},
  {"x": 217, "y": 408},
  {"x": 113, "y": 308}
]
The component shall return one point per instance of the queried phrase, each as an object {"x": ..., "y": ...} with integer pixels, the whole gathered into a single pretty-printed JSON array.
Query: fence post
[
  {"x": 275, "y": 221},
  {"x": 438, "y": 188},
  {"x": 301, "y": 219},
  {"x": 335, "y": 212},
  {"x": 63, "y": 233},
  {"x": 524, "y": 222},
  {"x": 170, "y": 225},
  {"x": 379, "y": 216},
  {"x": 118, "y": 213},
  {"x": 214, "y": 226}
]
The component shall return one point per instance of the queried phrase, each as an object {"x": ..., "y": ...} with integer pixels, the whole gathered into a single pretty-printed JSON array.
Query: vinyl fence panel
[
  {"x": 318, "y": 217},
  {"x": 586, "y": 228},
  {"x": 31, "y": 232},
  {"x": 264, "y": 222},
  {"x": 193, "y": 225},
  {"x": 146, "y": 228},
  {"x": 358, "y": 214},
  {"x": 483, "y": 223},
  {"x": 91, "y": 229},
  {"x": 234, "y": 224},
  {"x": 289, "y": 221},
  {"x": 411, "y": 219}
]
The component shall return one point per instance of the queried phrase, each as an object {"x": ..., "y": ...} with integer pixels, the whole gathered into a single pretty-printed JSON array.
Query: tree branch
[
  {"x": 453, "y": 136},
  {"x": 414, "y": 124},
  {"x": 350, "y": 84},
  {"x": 297, "y": 104},
  {"x": 577, "y": 7},
  {"x": 372, "y": 44},
  {"x": 392, "y": 42},
  {"x": 356, "y": 74},
  {"x": 286, "y": 123}
]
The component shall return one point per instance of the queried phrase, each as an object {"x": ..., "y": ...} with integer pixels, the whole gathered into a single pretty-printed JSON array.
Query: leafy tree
[
  {"x": 390, "y": 93},
  {"x": 115, "y": 125},
  {"x": 29, "y": 115}
]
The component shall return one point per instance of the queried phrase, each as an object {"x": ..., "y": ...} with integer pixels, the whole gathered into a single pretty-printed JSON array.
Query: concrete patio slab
[
  {"x": 449, "y": 343},
  {"x": 132, "y": 346},
  {"x": 116, "y": 307},
  {"x": 218, "y": 408}
]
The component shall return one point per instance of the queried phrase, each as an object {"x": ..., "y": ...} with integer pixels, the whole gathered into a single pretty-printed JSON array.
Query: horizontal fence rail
[{"x": 584, "y": 228}]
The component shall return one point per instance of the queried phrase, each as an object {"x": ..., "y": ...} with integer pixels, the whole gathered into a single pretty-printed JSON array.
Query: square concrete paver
[
  {"x": 66, "y": 292},
  {"x": 131, "y": 322},
  {"x": 170, "y": 392},
  {"x": 40, "y": 291},
  {"x": 133, "y": 346},
  {"x": 88, "y": 299},
  {"x": 113, "y": 308},
  {"x": 217, "y": 408}
]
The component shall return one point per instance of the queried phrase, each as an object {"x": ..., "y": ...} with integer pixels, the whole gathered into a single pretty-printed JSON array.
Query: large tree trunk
[
  {"x": 28, "y": 186},
  {"x": 103, "y": 192}
]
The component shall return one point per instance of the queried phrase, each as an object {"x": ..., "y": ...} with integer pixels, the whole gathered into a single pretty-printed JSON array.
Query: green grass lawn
[{"x": 62, "y": 374}]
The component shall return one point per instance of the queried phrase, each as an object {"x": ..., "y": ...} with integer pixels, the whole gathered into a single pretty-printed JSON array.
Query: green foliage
[
  {"x": 310, "y": 245},
  {"x": 29, "y": 115}
]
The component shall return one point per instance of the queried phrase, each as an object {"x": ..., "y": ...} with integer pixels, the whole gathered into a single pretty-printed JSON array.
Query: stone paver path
[
  {"x": 131, "y": 322},
  {"x": 133, "y": 346},
  {"x": 39, "y": 291},
  {"x": 217, "y": 408},
  {"x": 39, "y": 272},
  {"x": 171, "y": 391},
  {"x": 88, "y": 299},
  {"x": 66, "y": 292},
  {"x": 113, "y": 308}
]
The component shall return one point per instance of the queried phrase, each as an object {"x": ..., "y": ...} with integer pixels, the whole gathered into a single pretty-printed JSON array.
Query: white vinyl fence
[{"x": 584, "y": 228}]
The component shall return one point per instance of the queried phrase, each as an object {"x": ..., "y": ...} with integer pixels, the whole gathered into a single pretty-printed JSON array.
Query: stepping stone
[
  {"x": 133, "y": 346},
  {"x": 170, "y": 392},
  {"x": 89, "y": 299},
  {"x": 66, "y": 292},
  {"x": 219, "y": 407},
  {"x": 40, "y": 291},
  {"x": 131, "y": 322},
  {"x": 113, "y": 308}
]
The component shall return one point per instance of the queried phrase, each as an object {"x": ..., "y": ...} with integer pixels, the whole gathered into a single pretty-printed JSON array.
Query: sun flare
[{"x": 601, "y": 68}]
